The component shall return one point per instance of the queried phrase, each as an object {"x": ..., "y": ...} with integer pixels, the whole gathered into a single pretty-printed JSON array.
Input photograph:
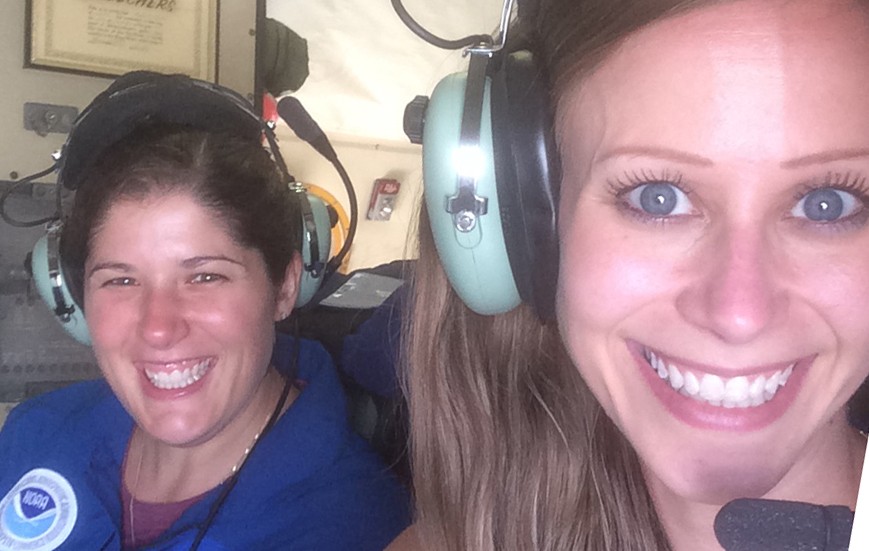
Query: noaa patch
[{"x": 38, "y": 513}]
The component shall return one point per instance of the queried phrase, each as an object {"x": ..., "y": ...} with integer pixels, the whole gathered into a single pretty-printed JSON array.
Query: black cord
[
  {"x": 335, "y": 263},
  {"x": 418, "y": 30},
  {"x": 230, "y": 483},
  {"x": 30, "y": 223}
]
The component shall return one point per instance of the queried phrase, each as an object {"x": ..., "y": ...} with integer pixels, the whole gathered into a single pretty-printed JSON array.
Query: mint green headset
[
  {"x": 147, "y": 96},
  {"x": 491, "y": 174}
]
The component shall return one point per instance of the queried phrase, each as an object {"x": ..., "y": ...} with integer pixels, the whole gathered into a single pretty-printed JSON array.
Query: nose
[
  {"x": 162, "y": 322},
  {"x": 736, "y": 294}
]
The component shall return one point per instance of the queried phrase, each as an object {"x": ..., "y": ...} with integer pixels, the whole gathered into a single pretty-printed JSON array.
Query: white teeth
[
  {"x": 662, "y": 369},
  {"x": 735, "y": 392},
  {"x": 676, "y": 378},
  {"x": 771, "y": 385},
  {"x": 755, "y": 391},
  {"x": 178, "y": 379},
  {"x": 692, "y": 385},
  {"x": 736, "y": 389},
  {"x": 712, "y": 389}
]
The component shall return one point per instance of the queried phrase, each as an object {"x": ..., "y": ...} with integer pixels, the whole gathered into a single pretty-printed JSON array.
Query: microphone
[
  {"x": 299, "y": 120},
  {"x": 293, "y": 113},
  {"x": 770, "y": 525}
]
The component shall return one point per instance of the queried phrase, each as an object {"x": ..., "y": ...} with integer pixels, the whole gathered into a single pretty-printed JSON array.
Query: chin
[
  {"x": 720, "y": 483},
  {"x": 176, "y": 432}
]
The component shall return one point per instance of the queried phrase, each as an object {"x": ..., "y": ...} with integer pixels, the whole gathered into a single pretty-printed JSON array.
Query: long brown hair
[{"x": 510, "y": 450}]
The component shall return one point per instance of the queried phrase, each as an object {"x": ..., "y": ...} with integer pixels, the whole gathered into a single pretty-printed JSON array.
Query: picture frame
[{"x": 112, "y": 37}]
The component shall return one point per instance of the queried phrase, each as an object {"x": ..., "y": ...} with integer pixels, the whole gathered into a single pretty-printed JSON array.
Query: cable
[
  {"x": 418, "y": 30},
  {"x": 230, "y": 483},
  {"x": 333, "y": 264},
  {"x": 291, "y": 110},
  {"x": 30, "y": 223}
]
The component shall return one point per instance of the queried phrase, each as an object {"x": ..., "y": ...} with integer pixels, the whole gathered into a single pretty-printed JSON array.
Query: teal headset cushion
[
  {"x": 311, "y": 278},
  {"x": 476, "y": 262},
  {"x": 74, "y": 322}
]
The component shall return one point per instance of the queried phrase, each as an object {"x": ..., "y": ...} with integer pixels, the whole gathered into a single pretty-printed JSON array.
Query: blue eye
[
  {"x": 659, "y": 199},
  {"x": 826, "y": 205}
]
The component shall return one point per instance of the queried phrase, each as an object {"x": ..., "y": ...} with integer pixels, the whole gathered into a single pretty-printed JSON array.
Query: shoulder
[
  {"x": 63, "y": 407},
  {"x": 333, "y": 492},
  {"x": 59, "y": 426},
  {"x": 365, "y": 515},
  {"x": 324, "y": 460},
  {"x": 407, "y": 541},
  {"x": 312, "y": 356},
  {"x": 320, "y": 502},
  {"x": 61, "y": 431}
]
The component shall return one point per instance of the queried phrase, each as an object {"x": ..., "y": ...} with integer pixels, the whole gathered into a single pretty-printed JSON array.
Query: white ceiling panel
[{"x": 365, "y": 65}]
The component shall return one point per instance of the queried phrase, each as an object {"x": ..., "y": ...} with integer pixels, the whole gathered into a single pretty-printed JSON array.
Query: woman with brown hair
[
  {"x": 712, "y": 311},
  {"x": 208, "y": 430}
]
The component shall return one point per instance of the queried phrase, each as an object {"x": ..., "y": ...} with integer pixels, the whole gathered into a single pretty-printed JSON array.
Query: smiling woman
[
  {"x": 712, "y": 306},
  {"x": 182, "y": 248}
]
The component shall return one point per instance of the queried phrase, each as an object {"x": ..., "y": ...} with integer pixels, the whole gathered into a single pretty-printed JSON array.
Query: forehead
[
  {"x": 751, "y": 80},
  {"x": 161, "y": 214}
]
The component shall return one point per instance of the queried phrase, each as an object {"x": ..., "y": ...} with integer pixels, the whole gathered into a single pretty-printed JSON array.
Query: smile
[
  {"x": 730, "y": 392},
  {"x": 179, "y": 378}
]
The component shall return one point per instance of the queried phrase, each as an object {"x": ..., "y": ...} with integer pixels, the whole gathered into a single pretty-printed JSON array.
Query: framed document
[{"x": 112, "y": 37}]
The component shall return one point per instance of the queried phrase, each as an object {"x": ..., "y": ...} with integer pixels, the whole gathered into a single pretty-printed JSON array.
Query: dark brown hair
[{"x": 233, "y": 177}]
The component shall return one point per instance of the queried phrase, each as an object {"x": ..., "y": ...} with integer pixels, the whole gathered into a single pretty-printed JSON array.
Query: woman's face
[
  {"x": 181, "y": 316},
  {"x": 714, "y": 283}
]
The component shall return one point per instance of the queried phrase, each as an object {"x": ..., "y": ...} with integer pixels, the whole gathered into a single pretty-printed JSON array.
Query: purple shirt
[{"x": 151, "y": 519}]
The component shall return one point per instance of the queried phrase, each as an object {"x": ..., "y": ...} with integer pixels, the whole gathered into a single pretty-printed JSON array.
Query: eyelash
[
  {"x": 854, "y": 184},
  {"x": 849, "y": 182},
  {"x": 118, "y": 282},
  {"x": 630, "y": 181},
  {"x": 207, "y": 278},
  {"x": 204, "y": 278}
]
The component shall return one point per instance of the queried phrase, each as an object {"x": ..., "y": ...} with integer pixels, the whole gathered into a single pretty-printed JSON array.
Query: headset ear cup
[
  {"x": 476, "y": 262},
  {"x": 528, "y": 172},
  {"x": 48, "y": 278},
  {"x": 316, "y": 244}
]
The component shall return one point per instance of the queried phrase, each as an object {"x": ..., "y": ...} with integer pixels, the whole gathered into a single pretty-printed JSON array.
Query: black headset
[
  {"x": 491, "y": 173},
  {"x": 147, "y": 97}
]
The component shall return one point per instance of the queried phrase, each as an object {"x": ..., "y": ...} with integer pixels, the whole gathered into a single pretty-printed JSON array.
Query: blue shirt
[{"x": 311, "y": 484}]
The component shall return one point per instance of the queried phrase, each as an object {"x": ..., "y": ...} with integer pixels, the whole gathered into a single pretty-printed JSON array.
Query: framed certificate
[{"x": 112, "y": 37}]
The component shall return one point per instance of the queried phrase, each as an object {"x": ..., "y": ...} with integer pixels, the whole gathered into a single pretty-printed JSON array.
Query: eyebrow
[
  {"x": 659, "y": 152},
  {"x": 197, "y": 261},
  {"x": 825, "y": 157},
  {"x": 116, "y": 266},
  {"x": 690, "y": 158},
  {"x": 188, "y": 263}
]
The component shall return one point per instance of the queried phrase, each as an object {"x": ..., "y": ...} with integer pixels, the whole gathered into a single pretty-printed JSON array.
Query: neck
[
  {"x": 827, "y": 473},
  {"x": 163, "y": 473}
]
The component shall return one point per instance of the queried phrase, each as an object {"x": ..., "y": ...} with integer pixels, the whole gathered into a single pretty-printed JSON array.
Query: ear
[{"x": 289, "y": 289}]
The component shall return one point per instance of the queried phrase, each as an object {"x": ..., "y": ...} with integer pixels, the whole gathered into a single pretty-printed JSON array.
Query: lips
[{"x": 741, "y": 391}]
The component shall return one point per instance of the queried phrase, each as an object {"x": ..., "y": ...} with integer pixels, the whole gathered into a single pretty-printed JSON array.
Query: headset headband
[{"x": 145, "y": 96}]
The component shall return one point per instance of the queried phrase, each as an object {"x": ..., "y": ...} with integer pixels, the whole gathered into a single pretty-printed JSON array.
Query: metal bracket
[{"x": 44, "y": 118}]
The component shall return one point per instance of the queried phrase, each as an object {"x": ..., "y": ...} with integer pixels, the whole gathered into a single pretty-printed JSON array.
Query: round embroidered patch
[{"x": 38, "y": 513}]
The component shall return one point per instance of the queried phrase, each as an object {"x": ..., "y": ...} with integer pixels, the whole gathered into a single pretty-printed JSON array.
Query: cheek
[
  {"x": 837, "y": 289},
  {"x": 606, "y": 273},
  {"x": 243, "y": 321},
  {"x": 107, "y": 320}
]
